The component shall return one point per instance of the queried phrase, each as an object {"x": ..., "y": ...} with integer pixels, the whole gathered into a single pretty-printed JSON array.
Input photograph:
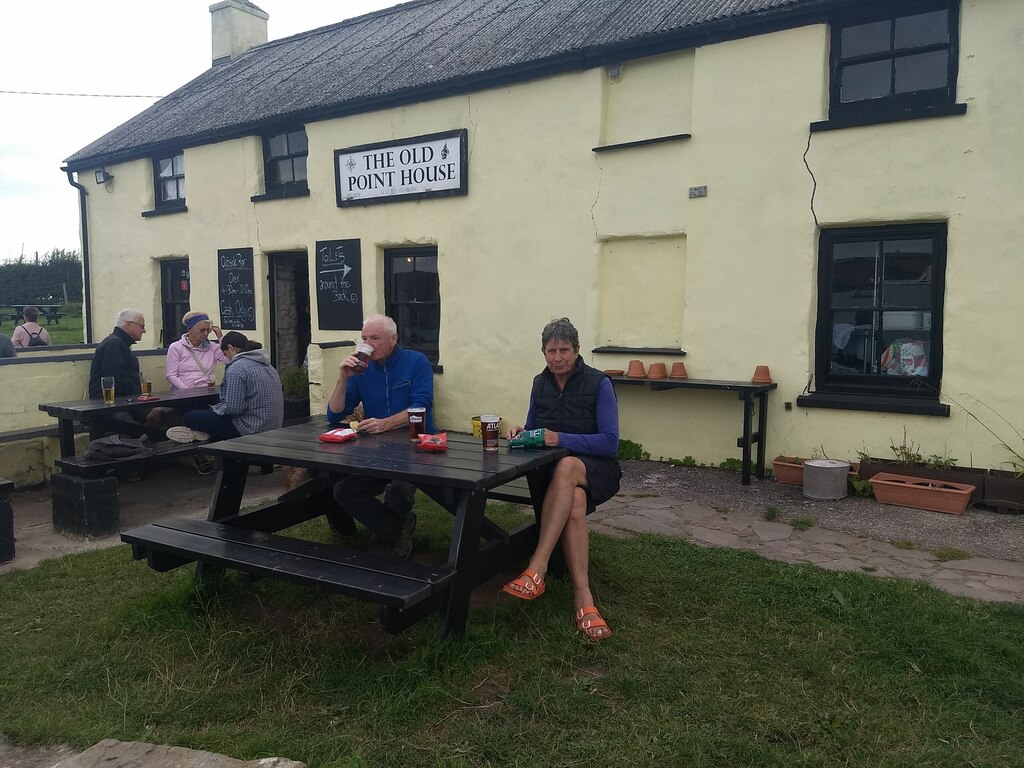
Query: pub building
[{"x": 823, "y": 188}]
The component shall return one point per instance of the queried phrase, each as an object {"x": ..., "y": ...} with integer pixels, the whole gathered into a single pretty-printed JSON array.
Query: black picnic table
[
  {"x": 46, "y": 311},
  {"x": 93, "y": 413},
  {"x": 458, "y": 479}
]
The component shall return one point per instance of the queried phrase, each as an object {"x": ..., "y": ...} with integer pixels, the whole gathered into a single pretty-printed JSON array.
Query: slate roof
[{"x": 422, "y": 50}]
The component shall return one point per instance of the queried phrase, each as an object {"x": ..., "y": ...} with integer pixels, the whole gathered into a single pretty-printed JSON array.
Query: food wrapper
[
  {"x": 437, "y": 442},
  {"x": 530, "y": 438},
  {"x": 146, "y": 398},
  {"x": 340, "y": 435}
]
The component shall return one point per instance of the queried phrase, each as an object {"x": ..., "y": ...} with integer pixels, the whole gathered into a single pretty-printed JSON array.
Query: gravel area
[{"x": 980, "y": 531}]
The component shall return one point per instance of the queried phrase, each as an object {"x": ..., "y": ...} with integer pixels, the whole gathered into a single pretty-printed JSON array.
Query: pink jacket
[
  {"x": 20, "y": 337},
  {"x": 182, "y": 370}
]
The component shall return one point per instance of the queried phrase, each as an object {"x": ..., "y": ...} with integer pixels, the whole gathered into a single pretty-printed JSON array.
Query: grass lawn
[
  {"x": 70, "y": 330},
  {"x": 719, "y": 658}
]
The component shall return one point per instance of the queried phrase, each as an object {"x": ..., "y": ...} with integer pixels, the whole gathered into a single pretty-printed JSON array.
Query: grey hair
[
  {"x": 560, "y": 330},
  {"x": 384, "y": 320},
  {"x": 126, "y": 316}
]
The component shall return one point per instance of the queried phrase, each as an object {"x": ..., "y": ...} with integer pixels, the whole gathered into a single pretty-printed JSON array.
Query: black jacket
[
  {"x": 572, "y": 410},
  {"x": 114, "y": 358}
]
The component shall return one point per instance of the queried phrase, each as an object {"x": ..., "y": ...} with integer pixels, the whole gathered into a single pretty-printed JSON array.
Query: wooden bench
[
  {"x": 84, "y": 466},
  {"x": 177, "y": 541},
  {"x": 34, "y": 433}
]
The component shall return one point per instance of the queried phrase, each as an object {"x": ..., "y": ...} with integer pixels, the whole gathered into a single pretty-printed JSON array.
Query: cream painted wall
[{"x": 526, "y": 243}]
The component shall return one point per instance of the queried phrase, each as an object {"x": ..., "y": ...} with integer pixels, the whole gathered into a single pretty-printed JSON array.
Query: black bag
[
  {"x": 117, "y": 447},
  {"x": 35, "y": 341}
]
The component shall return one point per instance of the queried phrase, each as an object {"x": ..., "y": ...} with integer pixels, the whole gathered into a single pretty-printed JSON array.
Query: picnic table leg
[
  {"x": 462, "y": 555},
  {"x": 227, "y": 498},
  {"x": 66, "y": 437},
  {"x": 762, "y": 430}
]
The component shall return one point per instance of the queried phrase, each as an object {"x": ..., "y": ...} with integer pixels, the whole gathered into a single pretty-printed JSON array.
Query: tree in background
[{"x": 42, "y": 280}]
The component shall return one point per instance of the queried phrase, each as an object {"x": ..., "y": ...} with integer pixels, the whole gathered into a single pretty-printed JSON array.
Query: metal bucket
[{"x": 825, "y": 478}]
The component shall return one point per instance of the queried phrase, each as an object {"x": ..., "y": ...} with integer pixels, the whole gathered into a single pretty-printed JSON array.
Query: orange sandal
[
  {"x": 593, "y": 629},
  {"x": 526, "y": 586}
]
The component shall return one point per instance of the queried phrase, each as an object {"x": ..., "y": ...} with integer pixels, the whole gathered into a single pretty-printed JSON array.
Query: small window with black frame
[
  {"x": 880, "y": 294},
  {"x": 413, "y": 297},
  {"x": 889, "y": 59},
  {"x": 169, "y": 180},
  {"x": 284, "y": 158}
]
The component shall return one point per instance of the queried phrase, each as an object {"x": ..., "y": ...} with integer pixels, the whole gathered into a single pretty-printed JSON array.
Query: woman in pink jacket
[{"x": 192, "y": 359}]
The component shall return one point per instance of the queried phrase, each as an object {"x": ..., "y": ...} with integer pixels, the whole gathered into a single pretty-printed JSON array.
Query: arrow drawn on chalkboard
[{"x": 345, "y": 269}]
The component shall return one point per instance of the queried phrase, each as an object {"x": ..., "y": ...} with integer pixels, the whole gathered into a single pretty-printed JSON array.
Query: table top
[
  {"x": 85, "y": 409},
  {"x": 465, "y": 465},
  {"x": 40, "y": 307},
  {"x": 669, "y": 383}
]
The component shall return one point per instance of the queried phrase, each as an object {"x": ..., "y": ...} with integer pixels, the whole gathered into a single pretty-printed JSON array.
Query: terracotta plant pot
[
  {"x": 678, "y": 371},
  {"x": 656, "y": 371},
  {"x": 788, "y": 470},
  {"x": 916, "y": 492},
  {"x": 636, "y": 370},
  {"x": 761, "y": 375}
]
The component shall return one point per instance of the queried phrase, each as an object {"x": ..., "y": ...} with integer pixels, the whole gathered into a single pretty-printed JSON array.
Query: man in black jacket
[{"x": 114, "y": 356}]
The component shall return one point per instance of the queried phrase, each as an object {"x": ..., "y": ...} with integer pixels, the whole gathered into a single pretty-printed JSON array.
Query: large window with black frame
[
  {"x": 893, "y": 58},
  {"x": 284, "y": 157},
  {"x": 880, "y": 295},
  {"x": 169, "y": 180},
  {"x": 414, "y": 298}
]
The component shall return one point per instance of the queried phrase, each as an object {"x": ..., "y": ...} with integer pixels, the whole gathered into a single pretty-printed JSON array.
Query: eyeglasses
[{"x": 141, "y": 325}]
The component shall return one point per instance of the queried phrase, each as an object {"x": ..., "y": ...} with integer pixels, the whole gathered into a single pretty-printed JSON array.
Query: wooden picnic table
[
  {"x": 46, "y": 311},
  {"x": 458, "y": 479},
  {"x": 93, "y": 413}
]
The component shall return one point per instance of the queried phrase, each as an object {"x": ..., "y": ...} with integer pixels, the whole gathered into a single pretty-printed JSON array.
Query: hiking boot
[
  {"x": 402, "y": 547},
  {"x": 186, "y": 435}
]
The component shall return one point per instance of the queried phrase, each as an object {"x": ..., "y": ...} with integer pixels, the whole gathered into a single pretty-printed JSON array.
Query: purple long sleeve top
[{"x": 606, "y": 441}]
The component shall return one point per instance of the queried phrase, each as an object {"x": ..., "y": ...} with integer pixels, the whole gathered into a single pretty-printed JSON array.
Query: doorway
[
  {"x": 175, "y": 288},
  {"x": 290, "y": 328}
]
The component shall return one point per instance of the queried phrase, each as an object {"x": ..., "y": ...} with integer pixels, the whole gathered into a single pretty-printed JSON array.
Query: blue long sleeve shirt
[
  {"x": 606, "y": 441},
  {"x": 404, "y": 380}
]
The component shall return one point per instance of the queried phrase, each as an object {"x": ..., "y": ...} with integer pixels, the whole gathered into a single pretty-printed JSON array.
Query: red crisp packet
[
  {"x": 339, "y": 435},
  {"x": 433, "y": 442}
]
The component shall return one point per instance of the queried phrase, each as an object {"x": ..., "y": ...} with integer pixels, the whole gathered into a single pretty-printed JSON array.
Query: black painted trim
[
  {"x": 165, "y": 211},
  {"x": 872, "y": 117},
  {"x": 874, "y": 403},
  {"x": 335, "y": 344},
  {"x": 639, "y": 350},
  {"x": 281, "y": 194},
  {"x": 643, "y": 142}
]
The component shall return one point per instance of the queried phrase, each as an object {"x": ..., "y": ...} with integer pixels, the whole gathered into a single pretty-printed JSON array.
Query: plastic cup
[
  {"x": 489, "y": 425},
  {"x": 107, "y": 385},
  {"x": 417, "y": 422}
]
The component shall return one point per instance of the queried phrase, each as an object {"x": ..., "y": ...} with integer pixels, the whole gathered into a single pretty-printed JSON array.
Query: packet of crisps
[
  {"x": 437, "y": 442},
  {"x": 529, "y": 438},
  {"x": 339, "y": 435}
]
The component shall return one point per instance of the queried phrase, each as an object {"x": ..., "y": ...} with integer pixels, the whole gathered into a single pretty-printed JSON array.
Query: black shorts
[{"x": 603, "y": 475}]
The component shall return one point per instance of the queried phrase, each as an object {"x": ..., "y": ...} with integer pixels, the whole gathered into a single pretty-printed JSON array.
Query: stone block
[{"x": 85, "y": 507}]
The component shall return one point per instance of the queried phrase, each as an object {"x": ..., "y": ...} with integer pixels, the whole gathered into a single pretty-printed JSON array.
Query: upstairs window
[
  {"x": 169, "y": 181},
  {"x": 896, "y": 60},
  {"x": 414, "y": 297},
  {"x": 880, "y": 294},
  {"x": 284, "y": 158}
]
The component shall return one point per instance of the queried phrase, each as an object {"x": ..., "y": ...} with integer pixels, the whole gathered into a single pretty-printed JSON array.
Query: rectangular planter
[
  {"x": 788, "y": 472},
  {"x": 921, "y": 493},
  {"x": 968, "y": 475},
  {"x": 1004, "y": 491}
]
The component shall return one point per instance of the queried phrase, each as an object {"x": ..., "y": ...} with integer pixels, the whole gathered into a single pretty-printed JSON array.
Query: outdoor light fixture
[{"x": 103, "y": 176}]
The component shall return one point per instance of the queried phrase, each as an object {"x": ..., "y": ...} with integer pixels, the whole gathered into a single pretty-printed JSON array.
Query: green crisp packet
[{"x": 530, "y": 438}]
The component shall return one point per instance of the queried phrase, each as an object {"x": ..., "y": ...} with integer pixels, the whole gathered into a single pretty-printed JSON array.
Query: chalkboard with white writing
[
  {"x": 236, "y": 289},
  {"x": 339, "y": 285}
]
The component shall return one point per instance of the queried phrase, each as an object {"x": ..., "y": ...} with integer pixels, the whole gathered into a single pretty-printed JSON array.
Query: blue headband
[{"x": 194, "y": 320}]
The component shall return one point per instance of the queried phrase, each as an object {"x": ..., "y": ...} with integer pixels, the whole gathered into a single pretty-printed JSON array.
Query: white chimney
[{"x": 237, "y": 26}]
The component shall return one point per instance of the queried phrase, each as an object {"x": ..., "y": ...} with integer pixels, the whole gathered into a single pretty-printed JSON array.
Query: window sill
[
  {"x": 873, "y": 117},
  {"x": 643, "y": 142},
  {"x": 165, "y": 211},
  {"x": 876, "y": 403},
  {"x": 281, "y": 194}
]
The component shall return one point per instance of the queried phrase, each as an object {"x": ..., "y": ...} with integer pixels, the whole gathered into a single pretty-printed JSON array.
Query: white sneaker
[{"x": 186, "y": 435}]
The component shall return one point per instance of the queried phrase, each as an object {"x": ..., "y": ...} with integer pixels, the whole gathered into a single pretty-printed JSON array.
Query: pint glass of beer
[
  {"x": 147, "y": 387},
  {"x": 107, "y": 385},
  {"x": 417, "y": 422}
]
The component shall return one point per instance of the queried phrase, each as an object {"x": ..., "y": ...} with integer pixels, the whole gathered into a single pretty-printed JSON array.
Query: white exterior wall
[{"x": 611, "y": 240}]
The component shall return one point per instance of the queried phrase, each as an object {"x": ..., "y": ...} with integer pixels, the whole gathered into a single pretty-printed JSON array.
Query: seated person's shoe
[
  {"x": 204, "y": 465},
  {"x": 402, "y": 547},
  {"x": 186, "y": 435}
]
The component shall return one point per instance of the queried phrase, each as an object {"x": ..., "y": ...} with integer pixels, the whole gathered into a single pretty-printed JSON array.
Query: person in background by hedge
[
  {"x": 30, "y": 333},
  {"x": 192, "y": 359},
  {"x": 6, "y": 347}
]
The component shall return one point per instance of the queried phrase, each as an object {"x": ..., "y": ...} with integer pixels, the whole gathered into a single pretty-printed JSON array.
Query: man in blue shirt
[{"x": 392, "y": 381}]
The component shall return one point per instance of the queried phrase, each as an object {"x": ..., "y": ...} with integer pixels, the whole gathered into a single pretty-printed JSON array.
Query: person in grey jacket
[{"x": 7, "y": 346}]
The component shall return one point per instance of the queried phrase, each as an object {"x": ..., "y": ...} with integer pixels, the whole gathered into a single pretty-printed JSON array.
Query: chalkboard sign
[
  {"x": 236, "y": 289},
  {"x": 339, "y": 285}
]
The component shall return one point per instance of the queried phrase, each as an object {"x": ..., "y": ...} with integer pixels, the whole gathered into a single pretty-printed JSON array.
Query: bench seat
[
  {"x": 83, "y": 466},
  {"x": 517, "y": 492},
  {"x": 178, "y": 541}
]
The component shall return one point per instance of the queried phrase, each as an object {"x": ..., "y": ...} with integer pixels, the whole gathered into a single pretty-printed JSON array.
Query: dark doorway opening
[
  {"x": 175, "y": 287},
  {"x": 290, "y": 324}
]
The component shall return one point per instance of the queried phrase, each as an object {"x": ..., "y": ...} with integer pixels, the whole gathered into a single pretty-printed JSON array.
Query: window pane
[
  {"x": 170, "y": 189},
  {"x": 864, "y": 38},
  {"x": 865, "y": 81},
  {"x": 853, "y": 274},
  {"x": 904, "y": 352},
  {"x": 178, "y": 164},
  {"x": 181, "y": 189},
  {"x": 402, "y": 276},
  {"x": 430, "y": 324},
  {"x": 299, "y": 168},
  {"x": 921, "y": 72},
  {"x": 284, "y": 171},
  {"x": 165, "y": 168},
  {"x": 427, "y": 286},
  {"x": 922, "y": 29},
  {"x": 297, "y": 144},
  {"x": 907, "y": 274},
  {"x": 852, "y": 350},
  {"x": 278, "y": 145}
]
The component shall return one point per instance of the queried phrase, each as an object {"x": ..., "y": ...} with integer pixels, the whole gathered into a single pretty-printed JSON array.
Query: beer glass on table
[{"x": 107, "y": 385}]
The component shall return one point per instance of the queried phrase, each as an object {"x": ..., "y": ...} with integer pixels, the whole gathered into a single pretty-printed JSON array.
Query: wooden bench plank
[
  {"x": 83, "y": 466},
  {"x": 517, "y": 492},
  {"x": 395, "y": 583}
]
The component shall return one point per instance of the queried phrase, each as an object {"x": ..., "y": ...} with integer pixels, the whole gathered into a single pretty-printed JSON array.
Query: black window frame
[
  {"x": 879, "y": 384},
  {"x": 161, "y": 203},
  {"x": 934, "y": 102},
  {"x": 395, "y": 307},
  {"x": 273, "y": 185}
]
